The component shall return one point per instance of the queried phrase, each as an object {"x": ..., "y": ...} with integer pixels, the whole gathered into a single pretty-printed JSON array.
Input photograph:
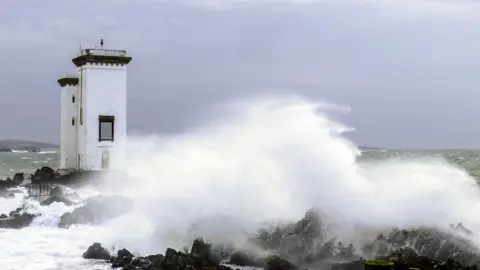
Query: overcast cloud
[{"x": 410, "y": 70}]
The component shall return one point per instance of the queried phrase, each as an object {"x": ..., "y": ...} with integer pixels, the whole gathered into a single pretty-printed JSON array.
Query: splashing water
[
  {"x": 262, "y": 160},
  {"x": 274, "y": 159}
]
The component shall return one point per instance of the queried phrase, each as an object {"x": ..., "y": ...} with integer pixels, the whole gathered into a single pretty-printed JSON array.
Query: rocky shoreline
[
  {"x": 208, "y": 256},
  {"x": 301, "y": 245}
]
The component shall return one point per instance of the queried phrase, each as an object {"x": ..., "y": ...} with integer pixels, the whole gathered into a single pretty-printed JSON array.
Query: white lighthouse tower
[
  {"x": 68, "y": 115},
  {"x": 100, "y": 106}
]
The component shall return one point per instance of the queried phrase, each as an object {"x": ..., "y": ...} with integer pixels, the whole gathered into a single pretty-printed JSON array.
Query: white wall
[
  {"x": 68, "y": 134},
  {"x": 104, "y": 93},
  {"x": 80, "y": 151}
]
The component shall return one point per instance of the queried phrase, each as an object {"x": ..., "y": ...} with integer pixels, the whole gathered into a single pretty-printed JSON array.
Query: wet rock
[
  {"x": 16, "y": 212},
  {"x": 18, "y": 178},
  {"x": 47, "y": 170},
  {"x": 199, "y": 258},
  {"x": 17, "y": 221},
  {"x": 203, "y": 251},
  {"x": 97, "y": 210},
  {"x": 432, "y": 243},
  {"x": 124, "y": 258},
  {"x": 298, "y": 242},
  {"x": 97, "y": 252},
  {"x": 241, "y": 258},
  {"x": 5, "y": 149},
  {"x": 43, "y": 175},
  {"x": 57, "y": 192},
  {"x": 53, "y": 199},
  {"x": 407, "y": 258},
  {"x": 9, "y": 183},
  {"x": 278, "y": 263},
  {"x": 3, "y": 216}
]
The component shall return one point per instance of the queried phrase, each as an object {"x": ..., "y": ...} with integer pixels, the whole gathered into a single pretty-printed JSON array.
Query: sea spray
[
  {"x": 275, "y": 159},
  {"x": 48, "y": 216},
  {"x": 262, "y": 160}
]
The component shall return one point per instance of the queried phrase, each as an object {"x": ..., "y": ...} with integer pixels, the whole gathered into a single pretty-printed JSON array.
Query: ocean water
[
  {"x": 10, "y": 163},
  {"x": 260, "y": 160},
  {"x": 467, "y": 159}
]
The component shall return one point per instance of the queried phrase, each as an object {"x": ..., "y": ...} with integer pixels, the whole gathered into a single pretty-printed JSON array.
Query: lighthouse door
[{"x": 105, "y": 160}]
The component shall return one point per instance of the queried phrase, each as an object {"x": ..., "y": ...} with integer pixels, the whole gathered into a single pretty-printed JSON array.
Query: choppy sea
[{"x": 263, "y": 161}]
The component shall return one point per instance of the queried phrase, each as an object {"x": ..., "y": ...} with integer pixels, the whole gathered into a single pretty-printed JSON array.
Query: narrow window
[
  {"x": 73, "y": 98},
  {"x": 106, "y": 128},
  {"x": 81, "y": 116},
  {"x": 73, "y": 121}
]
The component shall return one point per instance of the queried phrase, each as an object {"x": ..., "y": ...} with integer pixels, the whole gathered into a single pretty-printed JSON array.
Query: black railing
[
  {"x": 103, "y": 52},
  {"x": 36, "y": 190}
]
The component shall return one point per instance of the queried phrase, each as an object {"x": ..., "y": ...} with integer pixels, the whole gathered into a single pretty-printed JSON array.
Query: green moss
[{"x": 379, "y": 263}]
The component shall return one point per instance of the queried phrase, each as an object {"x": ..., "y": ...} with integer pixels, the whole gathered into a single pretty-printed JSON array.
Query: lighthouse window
[
  {"x": 73, "y": 98},
  {"x": 73, "y": 121},
  {"x": 106, "y": 128}
]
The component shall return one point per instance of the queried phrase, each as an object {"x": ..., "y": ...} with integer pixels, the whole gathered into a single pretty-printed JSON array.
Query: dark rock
[
  {"x": 56, "y": 199},
  {"x": 43, "y": 175},
  {"x": 5, "y": 149},
  {"x": 47, "y": 170},
  {"x": 124, "y": 258},
  {"x": 278, "y": 263},
  {"x": 17, "y": 221},
  {"x": 408, "y": 258},
  {"x": 67, "y": 220},
  {"x": 9, "y": 183},
  {"x": 298, "y": 242},
  {"x": 97, "y": 252},
  {"x": 3, "y": 216},
  {"x": 57, "y": 192},
  {"x": 246, "y": 259},
  {"x": 203, "y": 251},
  {"x": 200, "y": 258},
  {"x": 16, "y": 212},
  {"x": 426, "y": 242},
  {"x": 171, "y": 258},
  {"x": 304, "y": 244},
  {"x": 18, "y": 179},
  {"x": 97, "y": 210}
]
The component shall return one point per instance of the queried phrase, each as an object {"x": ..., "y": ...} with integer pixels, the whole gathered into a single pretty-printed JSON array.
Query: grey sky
[{"x": 410, "y": 70}]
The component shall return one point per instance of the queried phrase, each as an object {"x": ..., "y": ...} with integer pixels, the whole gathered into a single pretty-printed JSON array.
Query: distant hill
[
  {"x": 22, "y": 145},
  {"x": 366, "y": 148}
]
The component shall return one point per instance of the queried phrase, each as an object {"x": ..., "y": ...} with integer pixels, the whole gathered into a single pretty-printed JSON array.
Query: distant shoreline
[{"x": 11, "y": 145}]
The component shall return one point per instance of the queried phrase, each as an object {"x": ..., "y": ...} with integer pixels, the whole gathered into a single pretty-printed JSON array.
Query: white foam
[
  {"x": 8, "y": 205},
  {"x": 262, "y": 159},
  {"x": 275, "y": 159},
  {"x": 45, "y": 248}
]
